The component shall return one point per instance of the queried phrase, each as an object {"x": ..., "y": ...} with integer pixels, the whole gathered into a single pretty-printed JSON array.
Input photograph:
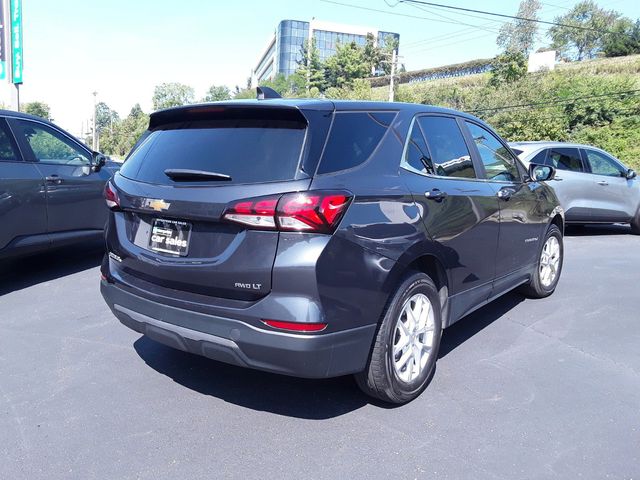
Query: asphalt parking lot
[{"x": 524, "y": 389}]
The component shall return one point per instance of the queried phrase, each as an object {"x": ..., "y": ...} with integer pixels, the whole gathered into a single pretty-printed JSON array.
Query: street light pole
[{"x": 95, "y": 132}]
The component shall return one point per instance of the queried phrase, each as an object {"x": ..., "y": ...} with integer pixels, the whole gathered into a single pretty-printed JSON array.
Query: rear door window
[
  {"x": 540, "y": 157},
  {"x": 449, "y": 153},
  {"x": 249, "y": 151},
  {"x": 565, "y": 159},
  {"x": 353, "y": 138},
  {"x": 498, "y": 162}
]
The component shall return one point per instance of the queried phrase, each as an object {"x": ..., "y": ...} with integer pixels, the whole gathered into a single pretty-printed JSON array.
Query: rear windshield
[{"x": 249, "y": 151}]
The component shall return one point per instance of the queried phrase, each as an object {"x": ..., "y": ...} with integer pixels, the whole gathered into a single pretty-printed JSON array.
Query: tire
[
  {"x": 635, "y": 223},
  {"x": 541, "y": 285},
  {"x": 385, "y": 378}
]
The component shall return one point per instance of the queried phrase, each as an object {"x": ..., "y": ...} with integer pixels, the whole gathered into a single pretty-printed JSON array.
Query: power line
[
  {"x": 513, "y": 17},
  {"x": 558, "y": 101},
  {"x": 397, "y": 14}
]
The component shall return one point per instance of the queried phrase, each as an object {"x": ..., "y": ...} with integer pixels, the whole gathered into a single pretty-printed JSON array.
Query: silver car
[{"x": 592, "y": 185}]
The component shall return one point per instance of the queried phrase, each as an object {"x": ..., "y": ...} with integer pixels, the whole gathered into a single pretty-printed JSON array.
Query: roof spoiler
[{"x": 265, "y": 93}]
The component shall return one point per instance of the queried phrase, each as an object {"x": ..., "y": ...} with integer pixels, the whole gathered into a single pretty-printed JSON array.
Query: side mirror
[
  {"x": 631, "y": 174},
  {"x": 541, "y": 173},
  {"x": 99, "y": 161}
]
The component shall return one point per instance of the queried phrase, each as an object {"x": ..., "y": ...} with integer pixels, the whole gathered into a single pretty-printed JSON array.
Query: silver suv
[{"x": 592, "y": 185}]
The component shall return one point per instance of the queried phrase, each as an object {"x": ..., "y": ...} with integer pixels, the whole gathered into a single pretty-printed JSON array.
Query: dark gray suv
[
  {"x": 316, "y": 238},
  {"x": 51, "y": 186}
]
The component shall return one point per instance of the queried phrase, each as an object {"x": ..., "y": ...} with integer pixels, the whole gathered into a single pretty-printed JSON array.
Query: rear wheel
[
  {"x": 405, "y": 351},
  {"x": 547, "y": 273}
]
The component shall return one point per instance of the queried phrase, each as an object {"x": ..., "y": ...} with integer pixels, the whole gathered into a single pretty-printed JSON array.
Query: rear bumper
[{"x": 233, "y": 341}]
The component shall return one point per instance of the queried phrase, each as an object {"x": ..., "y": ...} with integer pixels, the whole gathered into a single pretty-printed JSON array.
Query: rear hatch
[{"x": 196, "y": 163}]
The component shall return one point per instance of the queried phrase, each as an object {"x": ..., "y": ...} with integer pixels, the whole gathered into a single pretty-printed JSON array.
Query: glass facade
[
  {"x": 290, "y": 37},
  {"x": 327, "y": 41},
  {"x": 285, "y": 52}
]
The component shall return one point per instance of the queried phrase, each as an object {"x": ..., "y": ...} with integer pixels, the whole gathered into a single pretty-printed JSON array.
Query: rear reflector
[
  {"x": 314, "y": 211},
  {"x": 111, "y": 196},
  {"x": 296, "y": 326}
]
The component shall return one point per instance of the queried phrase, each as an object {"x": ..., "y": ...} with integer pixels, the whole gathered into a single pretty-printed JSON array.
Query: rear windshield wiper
[{"x": 185, "y": 175}]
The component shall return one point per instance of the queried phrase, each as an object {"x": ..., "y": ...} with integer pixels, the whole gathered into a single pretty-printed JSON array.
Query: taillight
[
  {"x": 257, "y": 212},
  {"x": 314, "y": 211},
  {"x": 111, "y": 196},
  {"x": 296, "y": 326}
]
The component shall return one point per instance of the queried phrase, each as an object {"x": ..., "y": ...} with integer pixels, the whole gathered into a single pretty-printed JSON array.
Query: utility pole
[
  {"x": 394, "y": 60},
  {"x": 95, "y": 131}
]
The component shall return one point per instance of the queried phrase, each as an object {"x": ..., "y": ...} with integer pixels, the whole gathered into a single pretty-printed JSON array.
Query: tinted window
[
  {"x": 600, "y": 164},
  {"x": 449, "y": 153},
  {"x": 565, "y": 159},
  {"x": 417, "y": 154},
  {"x": 498, "y": 162},
  {"x": 539, "y": 157},
  {"x": 50, "y": 146},
  {"x": 7, "y": 150},
  {"x": 353, "y": 138},
  {"x": 250, "y": 151}
]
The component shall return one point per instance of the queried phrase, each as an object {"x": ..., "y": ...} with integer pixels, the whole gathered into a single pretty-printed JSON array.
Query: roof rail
[{"x": 265, "y": 93}]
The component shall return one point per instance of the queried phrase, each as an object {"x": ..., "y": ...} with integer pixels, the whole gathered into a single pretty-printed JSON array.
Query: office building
[{"x": 282, "y": 52}]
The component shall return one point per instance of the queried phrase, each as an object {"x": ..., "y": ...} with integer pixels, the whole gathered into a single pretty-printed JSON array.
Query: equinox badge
[{"x": 156, "y": 204}]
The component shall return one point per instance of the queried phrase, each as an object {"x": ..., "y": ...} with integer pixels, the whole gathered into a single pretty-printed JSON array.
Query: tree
[
  {"x": 125, "y": 133},
  {"x": 310, "y": 67},
  {"x": 520, "y": 35},
  {"x": 585, "y": 42},
  {"x": 39, "y": 109},
  {"x": 105, "y": 117},
  {"x": 172, "y": 95},
  {"x": 348, "y": 64},
  {"x": 136, "y": 111},
  {"x": 625, "y": 39},
  {"x": 217, "y": 94},
  {"x": 508, "y": 68}
]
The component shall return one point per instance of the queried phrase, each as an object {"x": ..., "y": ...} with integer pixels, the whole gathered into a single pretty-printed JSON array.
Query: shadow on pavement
[
  {"x": 467, "y": 327},
  {"x": 294, "y": 397},
  {"x": 262, "y": 391},
  {"x": 19, "y": 273},
  {"x": 597, "y": 230}
]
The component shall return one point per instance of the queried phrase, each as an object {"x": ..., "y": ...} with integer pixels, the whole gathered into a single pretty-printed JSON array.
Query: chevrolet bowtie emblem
[{"x": 156, "y": 204}]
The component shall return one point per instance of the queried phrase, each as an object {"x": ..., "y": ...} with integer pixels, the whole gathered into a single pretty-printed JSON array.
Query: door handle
[
  {"x": 603, "y": 183},
  {"x": 55, "y": 179},
  {"x": 505, "y": 193},
  {"x": 558, "y": 178},
  {"x": 435, "y": 194}
]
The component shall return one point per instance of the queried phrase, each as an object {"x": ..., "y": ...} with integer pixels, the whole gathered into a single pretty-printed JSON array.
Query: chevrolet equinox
[{"x": 320, "y": 238}]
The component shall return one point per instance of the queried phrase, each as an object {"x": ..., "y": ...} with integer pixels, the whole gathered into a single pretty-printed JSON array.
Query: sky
[{"x": 122, "y": 49}]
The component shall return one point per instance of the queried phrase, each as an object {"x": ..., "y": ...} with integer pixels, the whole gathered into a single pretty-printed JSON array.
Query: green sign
[{"x": 16, "y": 41}]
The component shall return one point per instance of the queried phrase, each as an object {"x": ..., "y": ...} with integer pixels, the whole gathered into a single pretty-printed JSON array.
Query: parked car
[
  {"x": 51, "y": 186},
  {"x": 592, "y": 185},
  {"x": 316, "y": 238}
]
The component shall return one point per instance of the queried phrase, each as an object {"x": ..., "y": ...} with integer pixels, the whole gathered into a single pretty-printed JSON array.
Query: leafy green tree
[
  {"x": 310, "y": 67},
  {"x": 520, "y": 35},
  {"x": 625, "y": 39},
  {"x": 125, "y": 133},
  {"x": 39, "y": 109},
  {"x": 105, "y": 117},
  {"x": 217, "y": 94},
  {"x": 136, "y": 111},
  {"x": 508, "y": 68},
  {"x": 348, "y": 64},
  {"x": 585, "y": 42},
  {"x": 390, "y": 44},
  {"x": 172, "y": 95}
]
